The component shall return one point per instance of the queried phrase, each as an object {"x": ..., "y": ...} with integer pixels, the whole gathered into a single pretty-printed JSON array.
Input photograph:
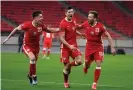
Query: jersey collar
[
  {"x": 67, "y": 20},
  {"x": 94, "y": 24}
]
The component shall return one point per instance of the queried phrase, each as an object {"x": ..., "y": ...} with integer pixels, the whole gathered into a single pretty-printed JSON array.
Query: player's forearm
[
  {"x": 61, "y": 38},
  {"x": 53, "y": 30},
  {"x": 110, "y": 41},
  {"x": 12, "y": 33},
  {"x": 79, "y": 27}
]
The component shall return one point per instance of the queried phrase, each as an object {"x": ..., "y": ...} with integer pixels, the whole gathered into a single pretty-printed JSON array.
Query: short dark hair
[
  {"x": 36, "y": 13},
  {"x": 95, "y": 13},
  {"x": 68, "y": 8}
]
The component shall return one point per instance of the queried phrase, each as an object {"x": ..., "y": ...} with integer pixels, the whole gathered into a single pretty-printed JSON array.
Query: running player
[
  {"x": 94, "y": 31},
  {"x": 69, "y": 46},
  {"x": 47, "y": 43},
  {"x": 32, "y": 29}
]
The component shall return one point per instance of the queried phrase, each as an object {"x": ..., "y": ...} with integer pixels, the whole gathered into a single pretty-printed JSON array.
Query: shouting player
[
  {"x": 69, "y": 46},
  {"x": 47, "y": 42},
  {"x": 94, "y": 31},
  {"x": 32, "y": 29}
]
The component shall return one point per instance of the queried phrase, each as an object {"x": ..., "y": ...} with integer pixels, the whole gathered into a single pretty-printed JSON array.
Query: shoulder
[
  {"x": 85, "y": 22},
  {"x": 62, "y": 21},
  {"x": 26, "y": 23},
  {"x": 100, "y": 24}
]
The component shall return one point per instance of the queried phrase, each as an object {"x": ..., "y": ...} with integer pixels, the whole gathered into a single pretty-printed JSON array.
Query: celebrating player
[
  {"x": 69, "y": 46},
  {"x": 32, "y": 29},
  {"x": 47, "y": 42},
  {"x": 94, "y": 31}
]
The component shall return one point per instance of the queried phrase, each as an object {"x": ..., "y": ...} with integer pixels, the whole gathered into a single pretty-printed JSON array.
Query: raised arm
[
  {"x": 49, "y": 29},
  {"x": 52, "y": 30},
  {"x": 14, "y": 30}
]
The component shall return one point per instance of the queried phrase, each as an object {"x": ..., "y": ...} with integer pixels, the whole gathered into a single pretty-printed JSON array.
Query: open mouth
[
  {"x": 71, "y": 16},
  {"x": 41, "y": 21}
]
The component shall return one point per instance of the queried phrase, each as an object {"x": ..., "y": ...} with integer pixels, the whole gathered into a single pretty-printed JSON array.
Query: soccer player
[
  {"x": 69, "y": 48},
  {"x": 32, "y": 31},
  {"x": 47, "y": 42},
  {"x": 94, "y": 31}
]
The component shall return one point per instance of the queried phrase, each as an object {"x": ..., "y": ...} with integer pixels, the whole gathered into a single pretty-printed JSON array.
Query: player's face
[
  {"x": 39, "y": 19},
  {"x": 69, "y": 14},
  {"x": 91, "y": 18}
]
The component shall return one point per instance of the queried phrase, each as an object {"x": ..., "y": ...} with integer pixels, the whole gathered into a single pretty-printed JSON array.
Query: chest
[
  {"x": 70, "y": 27},
  {"x": 93, "y": 31},
  {"x": 34, "y": 31}
]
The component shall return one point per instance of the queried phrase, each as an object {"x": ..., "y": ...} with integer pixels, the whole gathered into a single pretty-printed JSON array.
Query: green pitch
[{"x": 117, "y": 74}]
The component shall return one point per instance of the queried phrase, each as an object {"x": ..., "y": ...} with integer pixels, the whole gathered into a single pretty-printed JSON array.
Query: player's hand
[
  {"x": 5, "y": 41},
  {"x": 72, "y": 47},
  {"x": 113, "y": 51}
]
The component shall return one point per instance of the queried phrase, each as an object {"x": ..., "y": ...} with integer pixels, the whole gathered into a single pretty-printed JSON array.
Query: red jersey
[
  {"x": 47, "y": 36},
  {"x": 94, "y": 34},
  {"x": 32, "y": 34},
  {"x": 68, "y": 28}
]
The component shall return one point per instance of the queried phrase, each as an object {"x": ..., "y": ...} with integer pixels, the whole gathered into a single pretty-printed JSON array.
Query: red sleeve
[
  {"x": 44, "y": 27},
  {"x": 62, "y": 28},
  {"x": 82, "y": 26},
  {"x": 25, "y": 25}
]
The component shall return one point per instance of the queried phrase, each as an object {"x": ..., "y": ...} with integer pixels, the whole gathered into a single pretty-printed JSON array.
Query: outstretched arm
[
  {"x": 52, "y": 30},
  {"x": 14, "y": 30},
  {"x": 49, "y": 29},
  {"x": 80, "y": 34}
]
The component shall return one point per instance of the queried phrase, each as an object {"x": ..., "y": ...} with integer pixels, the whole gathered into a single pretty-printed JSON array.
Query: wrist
[{"x": 68, "y": 46}]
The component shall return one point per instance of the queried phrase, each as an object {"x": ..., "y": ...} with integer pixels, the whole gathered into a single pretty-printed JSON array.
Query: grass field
[{"x": 117, "y": 74}]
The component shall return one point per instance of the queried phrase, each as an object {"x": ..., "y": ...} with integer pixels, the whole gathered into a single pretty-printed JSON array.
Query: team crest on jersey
[
  {"x": 97, "y": 30},
  {"x": 39, "y": 29}
]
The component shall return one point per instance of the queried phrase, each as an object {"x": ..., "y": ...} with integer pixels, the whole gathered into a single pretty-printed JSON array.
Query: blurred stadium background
[{"x": 117, "y": 16}]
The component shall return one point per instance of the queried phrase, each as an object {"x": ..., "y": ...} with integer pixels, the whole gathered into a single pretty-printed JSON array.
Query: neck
[
  {"x": 94, "y": 23},
  {"x": 69, "y": 20},
  {"x": 34, "y": 24}
]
